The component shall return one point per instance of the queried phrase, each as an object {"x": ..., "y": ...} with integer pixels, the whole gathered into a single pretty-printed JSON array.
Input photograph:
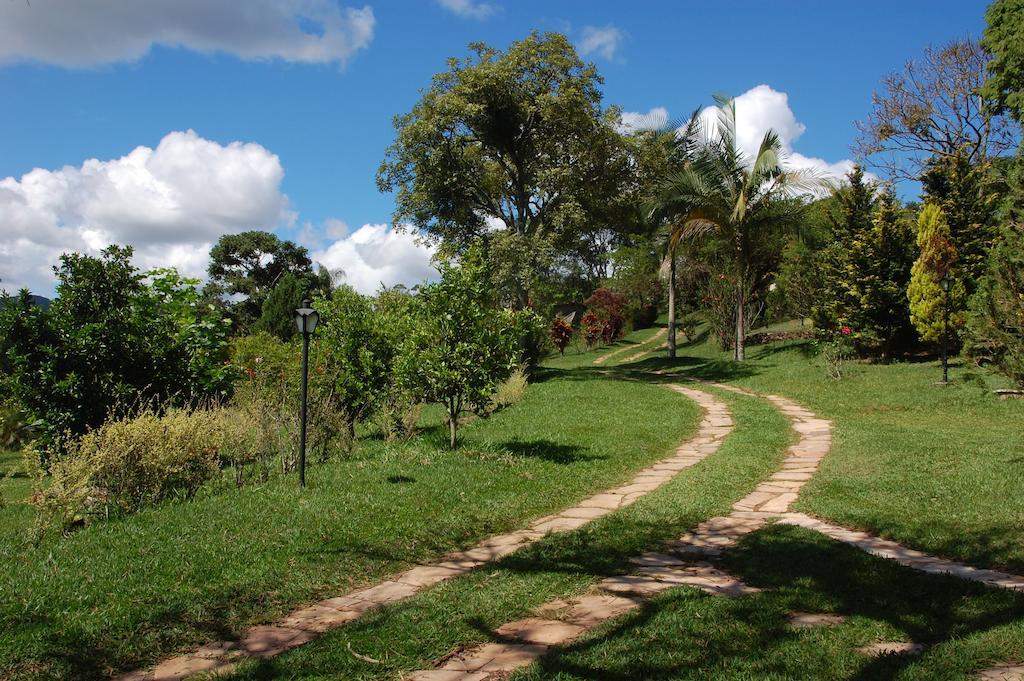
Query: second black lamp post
[
  {"x": 945, "y": 283},
  {"x": 306, "y": 318}
]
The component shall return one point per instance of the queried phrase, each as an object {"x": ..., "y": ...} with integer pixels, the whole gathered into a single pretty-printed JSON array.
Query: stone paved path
[
  {"x": 560, "y": 622},
  {"x": 306, "y": 624},
  {"x": 519, "y": 643},
  {"x": 661, "y": 333},
  {"x": 1006, "y": 672},
  {"x": 904, "y": 556}
]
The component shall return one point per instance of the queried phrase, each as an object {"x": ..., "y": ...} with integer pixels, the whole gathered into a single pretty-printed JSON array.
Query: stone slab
[
  {"x": 891, "y": 648},
  {"x": 536, "y": 630},
  {"x": 809, "y": 620}
]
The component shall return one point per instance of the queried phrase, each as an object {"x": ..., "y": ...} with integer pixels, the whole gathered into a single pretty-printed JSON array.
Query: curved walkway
[
  {"x": 605, "y": 357},
  {"x": 559, "y": 622},
  {"x": 306, "y": 624}
]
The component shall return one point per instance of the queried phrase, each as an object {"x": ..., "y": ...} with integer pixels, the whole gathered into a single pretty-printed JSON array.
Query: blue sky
[{"x": 103, "y": 82}]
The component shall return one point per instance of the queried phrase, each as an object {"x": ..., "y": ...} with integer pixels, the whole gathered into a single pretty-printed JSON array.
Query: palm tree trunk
[
  {"x": 740, "y": 321},
  {"x": 672, "y": 304}
]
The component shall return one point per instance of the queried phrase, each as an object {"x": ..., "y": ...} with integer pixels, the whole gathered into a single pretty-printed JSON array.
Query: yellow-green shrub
[
  {"x": 137, "y": 461},
  {"x": 510, "y": 391}
]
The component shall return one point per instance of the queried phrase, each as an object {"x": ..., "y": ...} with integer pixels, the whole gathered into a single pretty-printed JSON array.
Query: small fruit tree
[{"x": 461, "y": 346}]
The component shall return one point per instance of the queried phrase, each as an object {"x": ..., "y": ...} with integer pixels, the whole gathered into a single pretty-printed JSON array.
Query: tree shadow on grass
[
  {"x": 658, "y": 370},
  {"x": 549, "y": 450},
  {"x": 682, "y": 634},
  {"x": 799, "y": 570},
  {"x": 687, "y": 634},
  {"x": 66, "y": 651}
]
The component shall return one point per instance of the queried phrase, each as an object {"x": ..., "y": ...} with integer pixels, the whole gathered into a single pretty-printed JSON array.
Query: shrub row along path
[
  {"x": 559, "y": 622},
  {"x": 661, "y": 333},
  {"x": 306, "y": 624}
]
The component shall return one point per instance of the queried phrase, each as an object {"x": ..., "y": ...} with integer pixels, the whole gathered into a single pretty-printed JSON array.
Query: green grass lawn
[
  {"x": 940, "y": 468},
  {"x": 130, "y": 591},
  {"x": 936, "y": 467},
  {"x": 897, "y": 433},
  {"x": 412, "y": 634},
  {"x": 686, "y": 634}
]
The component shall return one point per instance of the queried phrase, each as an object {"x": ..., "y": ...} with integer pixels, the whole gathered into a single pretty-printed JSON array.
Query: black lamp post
[
  {"x": 945, "y": 284},
  {"x": 306, "y": 319}
]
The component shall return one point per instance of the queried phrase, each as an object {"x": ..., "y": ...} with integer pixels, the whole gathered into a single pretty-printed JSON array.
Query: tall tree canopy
[
  {"x": 969, "y": 198},
  {"x": 251, "y": 264},
  {"x": 934, "y": 109},
  {"x": 1002, "y": 40},
  {"x": 516, "y": 140},
  {"x": 937, "y": 259}
]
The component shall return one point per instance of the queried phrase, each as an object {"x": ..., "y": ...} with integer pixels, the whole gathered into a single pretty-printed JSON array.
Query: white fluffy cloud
[
  {"x": 171, "y": 203},
  {"x": 757, "y": 110},
  {"x": 602, "y": 40},
  {"x": 632, "y": 121},
  {"x": 761, "y": 109},
  {"x": 376, "y": 254},
  {"x": 81, "y": 34},
  {"x": 472, "y": 9}
]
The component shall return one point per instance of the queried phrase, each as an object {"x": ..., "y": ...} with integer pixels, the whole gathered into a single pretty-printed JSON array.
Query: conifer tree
[
  {"x": 969, "y": 201},
  {"x": 848, "y": 218},
  {"x": 278, "y": 312},
  {"x": 996, "y": 323},
  {"x": 885, "y": 270},
  {"x": 865, "y": 270},
  {"x": 937, "y": 259}
]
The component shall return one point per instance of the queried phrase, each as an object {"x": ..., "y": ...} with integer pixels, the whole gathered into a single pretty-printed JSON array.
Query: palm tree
[
  {"x": 719, "y": 191},
  {"x": 678, "y": 142}
]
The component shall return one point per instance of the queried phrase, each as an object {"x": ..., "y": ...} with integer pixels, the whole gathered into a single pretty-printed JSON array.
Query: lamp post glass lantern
[
  {"x": 945, "y": 283},
  {"x": 306, "y": 318}
]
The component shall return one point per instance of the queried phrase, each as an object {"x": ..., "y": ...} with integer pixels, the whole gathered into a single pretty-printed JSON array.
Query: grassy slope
[
  {"x": 412, "y": 634},
  {"x": 128, "y": 591},
  {"x": 940, "y": 468},
  {"x": 685, "y": 634}
]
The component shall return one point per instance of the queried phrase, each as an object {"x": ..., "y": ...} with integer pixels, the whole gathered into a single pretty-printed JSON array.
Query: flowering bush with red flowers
[
  {"x": 835, "y": 348},
  {"x": 607, "y": 306},
  {"x": 593, "y": 329},
  {"x": 560, "y": 334}
]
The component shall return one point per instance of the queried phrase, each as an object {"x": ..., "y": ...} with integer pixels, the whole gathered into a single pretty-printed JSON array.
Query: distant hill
[{"x": 41, "y": 301}]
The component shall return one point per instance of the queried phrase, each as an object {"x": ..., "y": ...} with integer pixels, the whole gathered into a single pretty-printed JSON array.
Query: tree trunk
[
  {"x": 454, "y": 407},
  {"x": 740, "y": 304},
  {"x": 672, "y": 305}
]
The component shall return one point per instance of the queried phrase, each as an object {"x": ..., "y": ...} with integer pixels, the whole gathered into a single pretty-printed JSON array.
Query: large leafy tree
[
  {"x": 245, "y": 268},
  {"x": 746, "y": 203},
  {"x": 934, "y": 108},
  {"x": 113, "y": 338},
  {"x": 513, "y": 140},
  {"x": 1002, "y": 39}
]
